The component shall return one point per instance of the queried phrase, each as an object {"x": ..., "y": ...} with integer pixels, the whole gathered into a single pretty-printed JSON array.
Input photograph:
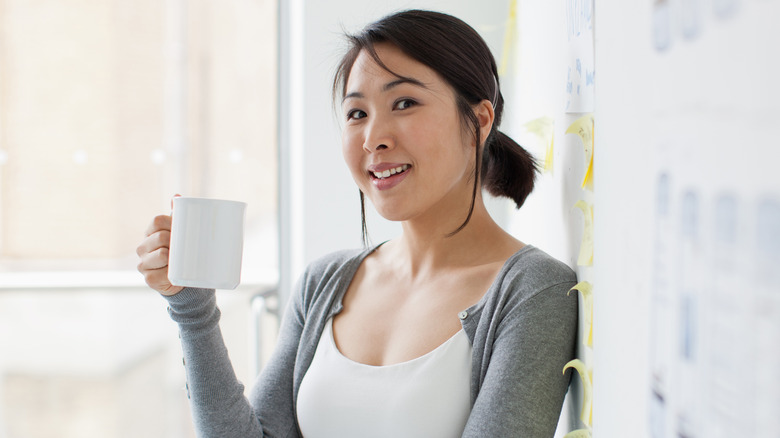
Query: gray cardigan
[{"x": 523, "y": 331}]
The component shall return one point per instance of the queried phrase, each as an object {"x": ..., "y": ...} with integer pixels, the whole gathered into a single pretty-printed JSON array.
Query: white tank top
[{"x": 425, "y": 397}]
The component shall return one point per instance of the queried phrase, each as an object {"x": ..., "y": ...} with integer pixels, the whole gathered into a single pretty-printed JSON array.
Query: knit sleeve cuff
[{"x": 191, "y": 304}]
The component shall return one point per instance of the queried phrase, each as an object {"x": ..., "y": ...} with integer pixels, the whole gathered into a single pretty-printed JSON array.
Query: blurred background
[{"x": 108, "y": 108}]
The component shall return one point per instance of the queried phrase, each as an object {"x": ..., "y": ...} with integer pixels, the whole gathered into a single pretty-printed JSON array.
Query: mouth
[
  {"x": 387, "y": 173},
  {"x": 387, "y": 176}
]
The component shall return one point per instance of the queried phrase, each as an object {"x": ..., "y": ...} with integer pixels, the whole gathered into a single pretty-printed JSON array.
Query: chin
[
  {"x": 393, "y": 216},
  {"x": 392, "y": 212}
]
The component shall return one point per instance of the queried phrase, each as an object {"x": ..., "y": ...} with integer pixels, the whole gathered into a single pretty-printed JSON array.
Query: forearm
[{"x": 219, "y": 408}]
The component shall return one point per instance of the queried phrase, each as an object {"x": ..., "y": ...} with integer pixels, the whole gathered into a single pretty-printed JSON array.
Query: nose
[{"x": 379, "y": 136}]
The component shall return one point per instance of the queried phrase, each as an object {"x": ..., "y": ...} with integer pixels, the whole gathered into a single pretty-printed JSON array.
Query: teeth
[{"x": 389, "y": 172}]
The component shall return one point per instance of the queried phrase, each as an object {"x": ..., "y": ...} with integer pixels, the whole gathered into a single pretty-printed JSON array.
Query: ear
[{"x": 485, "y": 116}]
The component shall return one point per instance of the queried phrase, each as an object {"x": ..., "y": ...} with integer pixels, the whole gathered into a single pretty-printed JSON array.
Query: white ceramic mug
[{"x": 207, "y": 242}]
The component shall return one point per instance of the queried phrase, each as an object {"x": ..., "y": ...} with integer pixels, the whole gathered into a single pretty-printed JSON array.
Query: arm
[
  {"x": 524, "y": 387},
  {"x": 219, "y": 408},
  {"x": 216, "y": 396}
]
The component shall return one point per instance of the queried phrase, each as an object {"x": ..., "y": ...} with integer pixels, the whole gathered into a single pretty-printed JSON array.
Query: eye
[
  {"x": 355, "y": 114},
  {"x": 403, "y": 104}
]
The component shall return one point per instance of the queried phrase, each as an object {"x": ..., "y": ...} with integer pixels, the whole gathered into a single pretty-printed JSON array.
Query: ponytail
[{"x": 508, "y": 170}]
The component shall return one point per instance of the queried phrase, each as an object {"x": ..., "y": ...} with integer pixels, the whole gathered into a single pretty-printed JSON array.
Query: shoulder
[
  {"x": 329, "y": 276},
  {"x": 537, "y": 268},
  {"x": 334, "y": 262},
  {"x": 531, "y": 296},
  {"x": 532, "y": 274}
]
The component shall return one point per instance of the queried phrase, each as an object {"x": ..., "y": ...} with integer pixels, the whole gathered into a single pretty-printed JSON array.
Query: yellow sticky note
[
  {"x": 586, "y": 247},
  {"x": 590, "y": 408},
  {"x": 586, "y": 289},
  {"x": 544, "y": 128},
  {"x": 583, "y": 127},
  {"x": 509, "y": 38},
  {"x": 586, "y": 414},
  {"x": 579, "y": 433}
]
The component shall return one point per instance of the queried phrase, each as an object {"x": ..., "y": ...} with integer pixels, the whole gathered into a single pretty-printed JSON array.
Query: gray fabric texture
[{"x": 523, "y": 331}]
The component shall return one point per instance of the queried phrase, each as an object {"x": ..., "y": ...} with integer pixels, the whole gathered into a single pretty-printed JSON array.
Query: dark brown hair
[{"x": 461, "y": 57}]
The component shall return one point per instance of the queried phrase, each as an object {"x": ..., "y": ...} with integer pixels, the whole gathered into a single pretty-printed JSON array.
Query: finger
[
  {"x": 161, "y": 222},
  {"x": 154, "y": 260},
  {"x": 158, "y": 280},
  {"x": 160, "y": 239},
  {"x": 174, "y": 196}
]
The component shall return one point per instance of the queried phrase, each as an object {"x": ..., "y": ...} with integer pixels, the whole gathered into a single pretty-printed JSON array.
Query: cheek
[
  {"x": 454, "y": 144},
  {"x": 351, "y": 149}
]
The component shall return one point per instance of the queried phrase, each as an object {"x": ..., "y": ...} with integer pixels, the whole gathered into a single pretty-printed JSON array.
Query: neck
[{"x": 428, "y": 246}]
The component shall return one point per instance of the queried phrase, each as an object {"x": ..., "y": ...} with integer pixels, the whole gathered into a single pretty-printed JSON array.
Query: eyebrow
[{"x": 387, "y": 87}]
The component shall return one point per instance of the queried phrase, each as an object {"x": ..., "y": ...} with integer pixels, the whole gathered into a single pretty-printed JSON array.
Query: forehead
[{"x": 366, "y": 70}]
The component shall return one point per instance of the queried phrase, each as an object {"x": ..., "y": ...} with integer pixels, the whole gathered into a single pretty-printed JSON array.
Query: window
[{"x": 108, "y": 108}]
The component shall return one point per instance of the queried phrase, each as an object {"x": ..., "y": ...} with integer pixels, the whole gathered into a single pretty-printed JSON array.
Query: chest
[
  {"x": 429, "y": 396},
  {"x": 388, "y": 320}
]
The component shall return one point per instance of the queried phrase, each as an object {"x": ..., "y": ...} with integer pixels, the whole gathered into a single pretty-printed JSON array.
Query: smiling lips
[
  {"x": 385, "y": 177},
  {"x": 388, "y": 172}
]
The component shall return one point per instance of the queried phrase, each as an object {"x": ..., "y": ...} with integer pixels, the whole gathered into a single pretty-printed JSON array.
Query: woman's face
[{"x": 403, "y": 139}]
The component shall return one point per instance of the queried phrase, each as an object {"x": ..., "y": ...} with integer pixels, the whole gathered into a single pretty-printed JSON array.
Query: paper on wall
[
  {"x": 579, "y": 433},
  {"x": 584, "y": 127},
  {"x": 509, "y": 38},
  {"x": 586, "y": 289},
  {"x": 580, "y": 75},
  {"x": 585, "y": 257},
  {"x": 543, "y": 128},
  {"x": 586, "y": 415}
]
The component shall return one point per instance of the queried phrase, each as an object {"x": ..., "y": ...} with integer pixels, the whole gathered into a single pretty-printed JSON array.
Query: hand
[{"x": 153, "y": 252}]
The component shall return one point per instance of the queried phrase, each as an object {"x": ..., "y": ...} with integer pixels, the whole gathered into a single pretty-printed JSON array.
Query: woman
[{"x": 455, "y": 328}]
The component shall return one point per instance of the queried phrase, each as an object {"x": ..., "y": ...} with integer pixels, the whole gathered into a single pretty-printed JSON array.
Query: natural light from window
[{"x": 107, "y": 109}]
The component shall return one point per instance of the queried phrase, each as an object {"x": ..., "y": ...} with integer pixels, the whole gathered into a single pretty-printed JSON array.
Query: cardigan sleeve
[
  {"x": 523, "y": 387},
  {"x": 219, "y": 408},
  {"x": 273, "y": 394}
]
